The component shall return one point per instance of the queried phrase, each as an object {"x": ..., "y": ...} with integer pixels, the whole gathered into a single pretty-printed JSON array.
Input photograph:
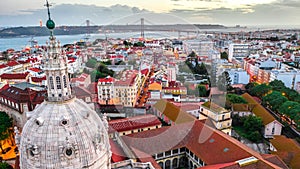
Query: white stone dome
[{"x": 64, "y": 135}]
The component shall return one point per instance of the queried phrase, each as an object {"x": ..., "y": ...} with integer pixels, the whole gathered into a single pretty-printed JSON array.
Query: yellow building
[
  {"x": 126, "y": 89},
  {"x": 219, "y": 116}
]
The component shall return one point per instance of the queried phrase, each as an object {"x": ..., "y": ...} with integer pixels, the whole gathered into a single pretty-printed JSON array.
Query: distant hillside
[
  {"x": 43, "y": 31},
  {"x": 73, "y": 30}
]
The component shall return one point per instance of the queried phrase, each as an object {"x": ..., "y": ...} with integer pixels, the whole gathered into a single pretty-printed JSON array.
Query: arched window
[
  {"x": 175, "y": 163},
  {"x": 168, "y": 164},
  {"x": 161, "y": 164},
  {"x": 65, "y": 81},
  {"x": 51, "y": 82},
  {"x": 58, "y": 84}
]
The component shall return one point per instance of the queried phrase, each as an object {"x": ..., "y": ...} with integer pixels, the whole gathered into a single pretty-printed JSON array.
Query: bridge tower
[
  {"x": 88, "y": 23},
  {"x": 142, "y": 28}
]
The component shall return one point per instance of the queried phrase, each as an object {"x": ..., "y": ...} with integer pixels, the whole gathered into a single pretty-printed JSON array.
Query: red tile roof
[
  {"x": 80, "y": 78},
  {"x": 12, "y": 63},
  {"x": 259, "y": 110},
  {"x": 3, "y": 66},
  {"x": 38, "y": 79},
  {"x": 132, "y": 123},
  {"x": 145, "y": 72},
  {"x": 34, "y": 69},
  {"x": 173, "y": 112},
  {"x": 288, "y": 150},
  {"x": 107, "y": 79},
  {"x": 27, "y": 95},
  {"x": 218, "y": 166},
  {"x": 189, "y": 106},
  {"x": 275, "y": 160},
  {"x": 92, "y": 88},
  {"x": 81, "y": 91},
  {"x": 14, "y": 75},
  {"x": 117, "y": 152},
  {"x": 210, "y": 145},
  {"x": 127, "y": 79}
]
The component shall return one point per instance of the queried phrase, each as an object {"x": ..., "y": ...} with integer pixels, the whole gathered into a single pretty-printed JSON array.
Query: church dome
[{"x": 65, "y": 135}]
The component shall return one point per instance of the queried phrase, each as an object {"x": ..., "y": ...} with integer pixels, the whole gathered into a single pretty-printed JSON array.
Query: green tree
[
  {"x": 274, "y": 100},
  {"x": 184, "y": 68},
  {"x": 5, "y": 165},
  {"x": 120, "y": 63},
  {"x": 253, "y": 126},
  {"x": 107, "y": 62},
  {"x": 202, "y": 91},
  {"x": 260, "y": 90},
  {"x": 291, "y": 94},
  {"x": 253, "y": 123},
  {"x": 255, "y": 136},
  {"x": 235, "y": 99},
  {"x": 139, "y": 44},
  {"x": 224, "y": 81},
  {"x": 224, "y": 55},
  {"x": 277, "y": 85},
  {"x": 91, "y": 63},
  {"x": 251, "y": 85},
  {"x": 5, "y": 124},
  {"x": 290, "y": 108},
  {"x": 192, "y": 54}
]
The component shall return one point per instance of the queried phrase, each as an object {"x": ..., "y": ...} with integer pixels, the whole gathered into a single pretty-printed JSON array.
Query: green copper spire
[{"x": 50, "y": 24}]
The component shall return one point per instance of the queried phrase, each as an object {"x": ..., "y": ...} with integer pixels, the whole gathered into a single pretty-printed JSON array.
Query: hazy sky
[{"x": 227, "y": 12}]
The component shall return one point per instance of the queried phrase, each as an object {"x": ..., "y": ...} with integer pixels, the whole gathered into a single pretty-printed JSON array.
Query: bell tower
[{"x": 55, "y": 66}]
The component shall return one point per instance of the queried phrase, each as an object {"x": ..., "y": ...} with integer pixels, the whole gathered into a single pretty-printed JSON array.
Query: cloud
[
  {"x": 71, "y": 14},
  {"x": 277, "y": 13},
  {"x": 280, "y": 12},
  {"x": 287, "y": 3}
]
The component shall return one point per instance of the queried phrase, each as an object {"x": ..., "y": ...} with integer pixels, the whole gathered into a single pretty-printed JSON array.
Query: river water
[{"x": 19, "y": 43}]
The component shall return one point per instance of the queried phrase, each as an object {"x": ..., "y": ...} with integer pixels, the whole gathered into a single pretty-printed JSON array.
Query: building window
[
  {"x": 65, "y": 81},
  {"x": 160, "y": 155},
  {"x": 168, "y": 153},
  {"x": 273, "y": 130},
  {"x": 51, "y": 82},
  {"x": 58, "y": 84}
]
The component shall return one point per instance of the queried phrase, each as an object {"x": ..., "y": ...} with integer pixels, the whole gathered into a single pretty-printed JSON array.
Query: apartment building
[
  {"x": 201, "y": 48},
  {"x": 238, "y": 76},
  {"x": 238, "y": 51},
  {"x": 220, "y": 117}
]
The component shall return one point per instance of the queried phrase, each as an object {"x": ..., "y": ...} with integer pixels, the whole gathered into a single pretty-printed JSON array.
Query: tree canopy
[
  {"x": 91, "y": 63},
  {"x": 260, "y": 90},
  {"x": 274, "y": 100},
  {"x": 101, "y": 72},
  {"x": 277, "y": 85},
  {"x": 5, "y": 124},
  {"x": 202, "y": 91},
  {"x": 279, "y": 98},
  {"x": 224, "y": 82},
  {"x": 249, "y": 127},
  {"x": 224, "y": 55},
  {"x": 235, "y": 99},
  {"x": 5, "y": 165}
]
